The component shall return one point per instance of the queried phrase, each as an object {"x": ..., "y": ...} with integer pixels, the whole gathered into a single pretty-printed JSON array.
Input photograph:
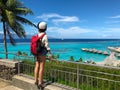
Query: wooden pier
[{"x": 93, "y": 50}]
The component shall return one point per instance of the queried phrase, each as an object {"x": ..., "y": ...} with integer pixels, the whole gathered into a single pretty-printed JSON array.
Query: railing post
[
  {"x": 18, "y": 68},
  {"x": 34, "y": 58},
  {"x": 77, "y": 76}
]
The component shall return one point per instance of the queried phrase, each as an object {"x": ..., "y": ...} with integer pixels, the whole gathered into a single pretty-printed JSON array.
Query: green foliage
[
  {"x": 86, "y": 81},
  {"x": 55, "y": 56},
  {"x": 21, "y": 53},
  {"x": 80, "y": 60},
  {"x": 71, "y": 58},
  {"x": 24, "y": 54},
  {"x": 93, "y": 63},
  {"x": 30, "y": 62}
]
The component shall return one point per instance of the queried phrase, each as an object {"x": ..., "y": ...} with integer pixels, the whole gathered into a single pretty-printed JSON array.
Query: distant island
[
  {"x": 17, "y": 39},
  {"x": 27, "y": 36}
]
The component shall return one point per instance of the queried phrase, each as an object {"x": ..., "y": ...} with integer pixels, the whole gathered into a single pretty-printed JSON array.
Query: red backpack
[{"x": 34, "y": 44}]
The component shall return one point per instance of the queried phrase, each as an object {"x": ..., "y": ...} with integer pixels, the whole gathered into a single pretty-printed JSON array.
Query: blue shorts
[{"x": 44, "y": 52}]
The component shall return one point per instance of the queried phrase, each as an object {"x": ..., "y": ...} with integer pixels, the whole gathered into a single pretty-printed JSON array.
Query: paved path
[
  {"x": 5, "y": 85},
  {"x": 10, "y": 88}
]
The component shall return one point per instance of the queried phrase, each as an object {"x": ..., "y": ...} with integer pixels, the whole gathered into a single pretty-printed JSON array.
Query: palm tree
[{"x": 11, "y": 12}]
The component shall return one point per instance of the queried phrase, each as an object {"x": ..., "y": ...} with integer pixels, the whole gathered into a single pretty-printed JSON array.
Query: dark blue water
[{"x": 63, "y": 40}]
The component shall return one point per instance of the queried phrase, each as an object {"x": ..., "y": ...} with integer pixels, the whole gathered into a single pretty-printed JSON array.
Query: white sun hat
[{"x": 42, "y": 25}]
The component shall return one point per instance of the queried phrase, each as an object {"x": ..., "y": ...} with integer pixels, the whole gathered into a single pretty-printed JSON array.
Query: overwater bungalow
[
  {"x": 99, "y": 52},
  {"x": 83, "y": 49},
  {"x": 105, "y": 53},
  {"x": 118, "y": 55},
  {"x": 94, "y": 50},
  {"x": 90, "y": 50}
]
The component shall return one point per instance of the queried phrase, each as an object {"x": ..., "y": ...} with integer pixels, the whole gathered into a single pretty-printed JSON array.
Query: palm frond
[
  {"x": 3, "y": 1},
  {"x": 2, "y": 6},
  {"x": 10, "y": 17},
  {"x": 10, "y": 13},
  {"x": 25, "y": 21},
  {"x": 12, "y": 41},
  {"x": 22, "y": 11},
  {"x": 17, "y": 7},
  {"x": 0, "y": 11},
  {"x": 18, "y": 29},
  {"x": 12, "y": 4}
]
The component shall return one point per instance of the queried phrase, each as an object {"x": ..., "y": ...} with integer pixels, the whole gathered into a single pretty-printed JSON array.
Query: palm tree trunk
[{"x": 5, "y": 43}]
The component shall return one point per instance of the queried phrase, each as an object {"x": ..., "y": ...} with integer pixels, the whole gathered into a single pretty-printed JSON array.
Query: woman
[{"x": 41, "y": 57}]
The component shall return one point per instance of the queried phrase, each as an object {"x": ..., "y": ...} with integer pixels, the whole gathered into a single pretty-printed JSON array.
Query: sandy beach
[{"x": 110, "y": 60}]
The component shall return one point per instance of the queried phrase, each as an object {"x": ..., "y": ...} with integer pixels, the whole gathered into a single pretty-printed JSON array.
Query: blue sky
[{"x": 76, "y": 18}]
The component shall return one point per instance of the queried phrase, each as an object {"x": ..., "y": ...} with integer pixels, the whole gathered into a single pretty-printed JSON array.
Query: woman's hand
[{"x": 49, "y": 55}]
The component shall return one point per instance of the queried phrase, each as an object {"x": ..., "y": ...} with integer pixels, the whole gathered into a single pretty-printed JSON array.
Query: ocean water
[{"x": 68, "y": 47}]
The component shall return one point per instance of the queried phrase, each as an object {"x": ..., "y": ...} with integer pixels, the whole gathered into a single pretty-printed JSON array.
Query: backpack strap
[{"x": 41, "y": 36}]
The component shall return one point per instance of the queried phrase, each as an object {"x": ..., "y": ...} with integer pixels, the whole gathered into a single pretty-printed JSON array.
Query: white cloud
[
  {"x": 110, "y": 33},
  {"x": 1, "y": 32},
  {"x": 71, "y": 32},
  {"x": 112, "y": 22},
  {"x": 56, "y": 18},
  {"x": 112, "y": 30},
  {"x": 117, "y": 16},
  {"x": 66, "y": 19},
  {"x": 78, "y": 32},
  {"x": 47, "y": 16}
]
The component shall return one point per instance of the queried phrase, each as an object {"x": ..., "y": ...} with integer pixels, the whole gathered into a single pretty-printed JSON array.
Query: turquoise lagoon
[{"x": 65, "y": 49}]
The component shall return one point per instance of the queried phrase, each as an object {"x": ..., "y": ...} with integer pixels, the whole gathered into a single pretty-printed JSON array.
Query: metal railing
[{"x": 78, "y": 75}]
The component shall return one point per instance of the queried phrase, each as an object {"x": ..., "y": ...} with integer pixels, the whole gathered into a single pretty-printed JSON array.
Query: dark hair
[
  {"x": 38, "y": 25},
  {"x": 41, "y": 30}
]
